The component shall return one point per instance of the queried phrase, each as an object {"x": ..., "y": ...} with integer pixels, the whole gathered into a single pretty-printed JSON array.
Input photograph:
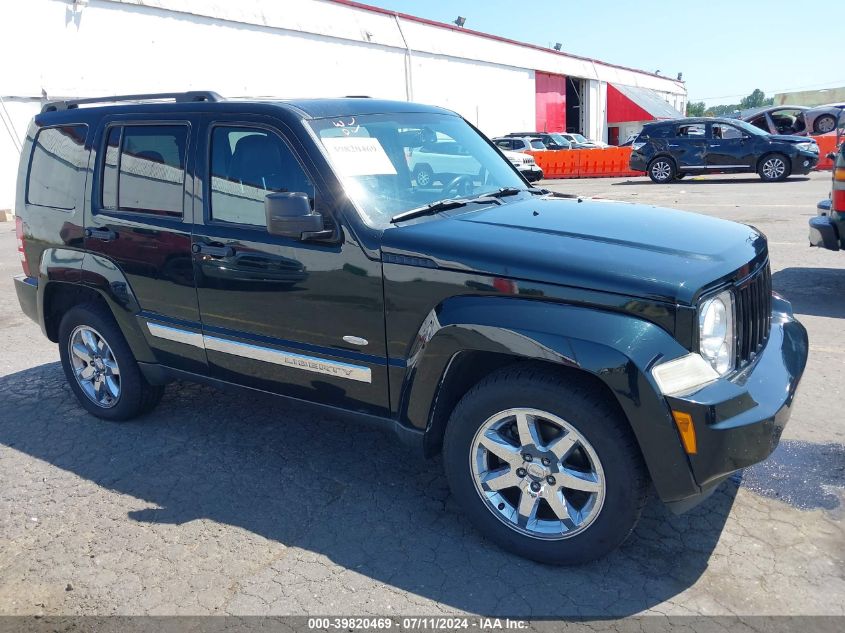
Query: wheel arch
[
  {"x": 88, "y": 279},
  {"x": 467, "y": 338}
]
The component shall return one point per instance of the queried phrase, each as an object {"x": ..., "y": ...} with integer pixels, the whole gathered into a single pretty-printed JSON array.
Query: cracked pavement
[{"x": 237, "y": 503}]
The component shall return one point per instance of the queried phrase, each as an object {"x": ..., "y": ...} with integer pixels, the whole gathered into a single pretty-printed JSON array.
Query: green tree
[
  {"x": 755, "y": 100},
  {"x": 695, "y": 108}
]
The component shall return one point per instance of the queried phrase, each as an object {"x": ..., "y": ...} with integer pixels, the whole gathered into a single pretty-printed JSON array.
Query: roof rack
[{"x": 178, "y": 97}]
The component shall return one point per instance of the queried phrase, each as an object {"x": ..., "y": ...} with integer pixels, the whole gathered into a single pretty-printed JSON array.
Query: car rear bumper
[
  {"x": 637, "y": 162},
  {"x": 739, "y": 420},
  {"x": 27, "y": 291},
  {"x": 827, "y": 228}
]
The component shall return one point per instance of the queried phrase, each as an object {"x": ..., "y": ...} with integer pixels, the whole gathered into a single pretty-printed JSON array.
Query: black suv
[
  {"x": 562, "y": 355},
  {"x": 669, "y": 150}
]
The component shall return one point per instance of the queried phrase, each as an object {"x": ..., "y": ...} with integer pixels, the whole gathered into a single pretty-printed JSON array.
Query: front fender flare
[{"x": 616, "y": 348}]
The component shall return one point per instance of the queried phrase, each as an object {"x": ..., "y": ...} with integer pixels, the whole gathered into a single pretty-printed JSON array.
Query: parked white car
[
  {"x": 526, "y": 165},
  {"x": 440, "y": 161}
]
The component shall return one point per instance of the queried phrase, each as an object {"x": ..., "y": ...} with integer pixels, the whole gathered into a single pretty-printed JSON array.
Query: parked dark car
[
  {"x": 669, "y": 150},
  {"x": 563, "y": 355},
  {"x": 827, "y": 229}
]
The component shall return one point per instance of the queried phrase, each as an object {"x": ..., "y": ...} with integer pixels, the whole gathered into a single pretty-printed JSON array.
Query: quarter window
[
  {"x": 144, "y": 169},
  {"x": 59, "y": 159},
  {"x": 246, "y": 165}
]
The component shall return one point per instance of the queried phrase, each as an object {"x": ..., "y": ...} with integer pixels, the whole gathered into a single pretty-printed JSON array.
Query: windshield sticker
[
  {"x": 347, "y": 127},
  {"x": 359, "y": 156}
]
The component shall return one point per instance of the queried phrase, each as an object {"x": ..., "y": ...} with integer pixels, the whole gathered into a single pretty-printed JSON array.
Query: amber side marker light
[
  {"x": 687, "y": 430},
  {"x": 839, "y": 174}
]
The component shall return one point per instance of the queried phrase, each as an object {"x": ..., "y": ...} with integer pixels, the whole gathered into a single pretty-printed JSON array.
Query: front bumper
[
  {"x": 532, "y": 173},
  {"x": 804, "y": 162},
  {"x": 739, "y": 419}
]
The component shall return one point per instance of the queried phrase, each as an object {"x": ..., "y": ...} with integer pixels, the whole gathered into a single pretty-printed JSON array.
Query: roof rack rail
[{"x": 178, "y": 97}]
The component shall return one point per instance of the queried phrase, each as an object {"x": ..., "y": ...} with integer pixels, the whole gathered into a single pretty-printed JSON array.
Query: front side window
[
  {"x": 144, "y": 169},
  {"x": 727, "y": 132},
  {"x": 246, "y": 165},
  {"x": 56, "y": 174},
  {"x": 537, "y": 144},
  {"x": 390, "y": 163}
]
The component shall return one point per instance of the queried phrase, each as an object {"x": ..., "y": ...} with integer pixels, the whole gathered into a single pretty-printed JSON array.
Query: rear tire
[
  {"x": 561, "y": 416},
  {"x": 824, "y": 124},
  {"x": 773, "y": 168},
  {"x": 662, "y": 170},
  {"x": 100, "y": 367}
]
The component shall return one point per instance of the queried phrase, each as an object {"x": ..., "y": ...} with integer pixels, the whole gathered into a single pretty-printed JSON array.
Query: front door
[
  {"x": 140, "y": 225},
  {"x": 689, "y": 145},
  {"x": 729, "y": 148},
  {"x": 305, "y": 319}
]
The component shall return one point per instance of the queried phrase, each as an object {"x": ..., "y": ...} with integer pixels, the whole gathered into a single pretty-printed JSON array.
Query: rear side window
[
  {"x": 246, "y": 165},
  {"x": 56, "y": 172},
  {"x": 658, "y": 131},
  {"x": 692, "y": 131},
  {"x": 144, "y": 169},
  {"x": 537, "y": 144}
]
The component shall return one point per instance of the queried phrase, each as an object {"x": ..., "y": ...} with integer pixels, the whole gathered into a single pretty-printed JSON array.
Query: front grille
[{"x": 753, "y": 297}]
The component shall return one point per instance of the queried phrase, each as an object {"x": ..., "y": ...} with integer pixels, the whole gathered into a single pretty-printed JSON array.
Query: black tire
[
  {"x": 773, "y": 168},
  {"x": 662, "y": 170},
  {"x": 589, "y": 411},
  {"x": 136, "y": 395},
  {"x": 424, "y": 175},
  {"x": 824, "y": 124}
]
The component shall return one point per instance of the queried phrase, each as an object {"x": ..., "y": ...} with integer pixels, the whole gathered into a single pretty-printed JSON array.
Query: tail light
[
  {"x": 21, "y": 245},
  {"x": 839, "y": 189}
]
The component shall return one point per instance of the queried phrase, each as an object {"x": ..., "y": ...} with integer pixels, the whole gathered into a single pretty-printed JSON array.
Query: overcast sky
[{"x": 724, "y": 48}]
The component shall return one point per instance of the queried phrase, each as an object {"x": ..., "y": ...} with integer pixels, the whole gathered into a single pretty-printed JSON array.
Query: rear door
[
  {"x": 140, "y": 224},
  {"x": 689, "y": 145},
  {"x": 303, "y": 319}
]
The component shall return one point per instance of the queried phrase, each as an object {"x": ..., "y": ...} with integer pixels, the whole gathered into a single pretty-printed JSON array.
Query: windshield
[
  {"x": 557, "y": 138},
  {"x": 580, "y": 138},
  {"x": 748, "y": 127},
  {"x": 390, "y": 163}
]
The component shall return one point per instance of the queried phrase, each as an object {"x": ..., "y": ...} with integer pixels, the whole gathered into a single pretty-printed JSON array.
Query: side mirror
[{"x": 289, "y": 214}]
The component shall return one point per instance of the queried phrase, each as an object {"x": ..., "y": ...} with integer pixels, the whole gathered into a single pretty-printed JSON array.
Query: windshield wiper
[{"x": 434, "y": 207}]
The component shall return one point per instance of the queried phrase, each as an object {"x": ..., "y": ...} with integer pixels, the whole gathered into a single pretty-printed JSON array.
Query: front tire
[
  {"x": 424, "y": 175},
  {"x": 100, "y": 367},
  {"x": 662, "y": 170},
  {"x": 544, "y": 465},
  {"x": 773, "y": 168}
]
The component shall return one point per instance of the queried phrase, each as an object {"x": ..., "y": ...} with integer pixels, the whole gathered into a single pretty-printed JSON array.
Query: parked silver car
[{"x": 793, "y": 119}]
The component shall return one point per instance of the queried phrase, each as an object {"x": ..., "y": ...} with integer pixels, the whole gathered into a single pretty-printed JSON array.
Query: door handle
[
  {"x": 212, "y": 250},
  {"x": 105, "y": 235}
]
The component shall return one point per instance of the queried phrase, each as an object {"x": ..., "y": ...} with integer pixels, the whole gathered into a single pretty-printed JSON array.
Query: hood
[{"x": 629, "y": 249}]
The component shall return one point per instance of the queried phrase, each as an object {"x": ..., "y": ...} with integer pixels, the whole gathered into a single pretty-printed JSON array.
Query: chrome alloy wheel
[
  {"x": 661, "y": 170},
  {"x": 774, "y": 168},
  {"x": 537, "y": 474},
  {"x": 94, "y": 366}
]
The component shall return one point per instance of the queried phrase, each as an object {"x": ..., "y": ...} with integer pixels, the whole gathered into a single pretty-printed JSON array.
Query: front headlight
[
  {"x": 808, "y": 147},
  {"x": 716, "y": 340}
]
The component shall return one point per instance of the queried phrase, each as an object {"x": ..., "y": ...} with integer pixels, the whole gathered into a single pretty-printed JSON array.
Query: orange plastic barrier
[
  {"x": 827, "y": 144},
  {"x": 585, "y": 163}
]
